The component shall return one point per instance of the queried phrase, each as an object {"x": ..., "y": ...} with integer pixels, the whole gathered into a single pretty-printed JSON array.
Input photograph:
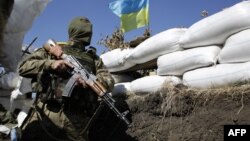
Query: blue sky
[{"x": 164, "y": 14}]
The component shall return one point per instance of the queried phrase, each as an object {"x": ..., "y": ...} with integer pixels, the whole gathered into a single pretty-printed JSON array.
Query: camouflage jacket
[{"x": 44, "y": 80}]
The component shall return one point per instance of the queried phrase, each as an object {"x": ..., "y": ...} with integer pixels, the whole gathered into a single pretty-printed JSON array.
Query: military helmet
[{"x": 80, "y": 31}]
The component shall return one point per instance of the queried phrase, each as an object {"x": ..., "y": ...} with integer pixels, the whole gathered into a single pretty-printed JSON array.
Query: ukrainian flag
[{"x": 133, "y": 13}]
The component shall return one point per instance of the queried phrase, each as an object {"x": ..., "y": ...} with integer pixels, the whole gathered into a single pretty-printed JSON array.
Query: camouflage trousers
[{"x": 46, "y": 124}]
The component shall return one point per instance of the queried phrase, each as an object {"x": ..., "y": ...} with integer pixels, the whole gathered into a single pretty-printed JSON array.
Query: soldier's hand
[
  {"x": 60, "y": 65},
  {"x": 82, "y": 82}
]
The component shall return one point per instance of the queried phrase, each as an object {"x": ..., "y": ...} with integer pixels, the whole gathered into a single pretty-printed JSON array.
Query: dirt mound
[{"x": 179, "y": 113}]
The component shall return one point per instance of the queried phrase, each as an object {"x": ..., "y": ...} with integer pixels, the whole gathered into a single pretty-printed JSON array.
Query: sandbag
[
  {"x": 236, "y": 48},
  {"x": 150, "y": 84},
  {"x": 9, "y": 81},
  {"x": 217, "y": 76},
  {"x": 177, "y": 63},
  {"x": 121, "y": 89},
  {"x": 113, "y": 60},
  {"x": 19, "y": 22},
  {"x": 12, "y": 50},
  {"x": 23, "y": 14},
  {"x": 159, "y": 44},
  {"x": 215, "y": 29}
]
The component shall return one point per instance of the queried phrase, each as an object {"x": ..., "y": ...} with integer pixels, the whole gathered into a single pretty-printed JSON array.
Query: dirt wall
[{"x": 190, "y": 115}]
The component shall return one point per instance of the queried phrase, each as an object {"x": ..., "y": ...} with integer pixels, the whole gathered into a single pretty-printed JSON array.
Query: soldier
[{"x": 57, "y": 117}]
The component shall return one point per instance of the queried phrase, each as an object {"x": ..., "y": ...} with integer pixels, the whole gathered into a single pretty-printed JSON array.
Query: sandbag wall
[
  {"x": 157, "y": 45},
  {"x": 230, "y": 29},
  {"x": 213, "y": 52}
]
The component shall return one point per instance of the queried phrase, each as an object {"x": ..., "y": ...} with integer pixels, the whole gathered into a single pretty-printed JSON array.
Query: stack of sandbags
[
  {"x": 192, "y": 54},
  {"x": 155, "y": 46},
  {"x": 233, "y": 65},
  {"x": 22, "y": 16},
  {"x": 229, "y": 28},
  {"x": 119, "y": 60}
]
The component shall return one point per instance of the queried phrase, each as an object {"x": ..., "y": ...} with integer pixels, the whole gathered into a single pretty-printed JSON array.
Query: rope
[{"x": 93, "y": 117}]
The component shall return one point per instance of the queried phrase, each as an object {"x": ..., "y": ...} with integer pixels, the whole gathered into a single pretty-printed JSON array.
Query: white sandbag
[
  {"x": 9, "y": 81},
  {"x": 157, "y": 45},
  {"x": 19, "y": 22},
  {"x": 121, "y": 89},
  {"x": 236, "y": 48},
  {"x": 150, "y": 84},
  {"x": 177, "y": 63},
  {"x": 119, "y": 78},
  {"x": 12, "y": 50},
  {"x": 216, "y": 28},
  {"x": 23, "y": 14},
  {"x": 113, "y": 60},
  {"x": 217, "y": 76}
]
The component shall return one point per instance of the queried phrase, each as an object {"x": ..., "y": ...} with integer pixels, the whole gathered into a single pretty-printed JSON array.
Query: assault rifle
[{"x": 90, "y": 79}]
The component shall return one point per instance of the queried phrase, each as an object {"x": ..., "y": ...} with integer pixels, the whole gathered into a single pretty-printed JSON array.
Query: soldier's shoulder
[{"x": 40, "y": 50}]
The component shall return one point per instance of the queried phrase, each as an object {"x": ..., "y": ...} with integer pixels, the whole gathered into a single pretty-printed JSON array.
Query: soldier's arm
[
  {"x": 36, "y": 63},
  {"x": 103, "y": 75}
]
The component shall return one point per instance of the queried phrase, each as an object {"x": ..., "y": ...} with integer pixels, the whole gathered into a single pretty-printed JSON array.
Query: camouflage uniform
[{"x": 64, "y": 118}]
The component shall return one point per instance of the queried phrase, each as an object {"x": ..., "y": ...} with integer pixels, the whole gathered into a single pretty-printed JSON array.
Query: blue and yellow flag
[{"x": 133, "y": 13}]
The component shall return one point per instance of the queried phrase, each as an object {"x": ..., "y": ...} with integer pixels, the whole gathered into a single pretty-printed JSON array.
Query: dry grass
[
  {"x": 181, "y": 100},
  {"x": 116, "y": 40},
  {"x": 175, "y": 95}
]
